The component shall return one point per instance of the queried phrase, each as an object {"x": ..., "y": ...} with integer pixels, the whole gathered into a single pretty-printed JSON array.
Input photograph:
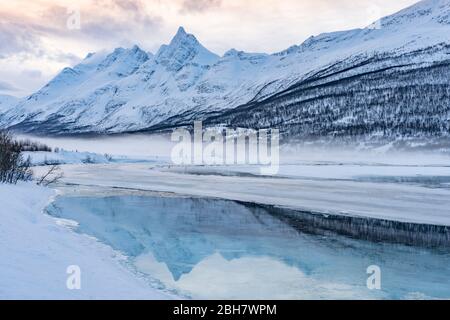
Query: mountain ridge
[{"x": 132, "y": 90}]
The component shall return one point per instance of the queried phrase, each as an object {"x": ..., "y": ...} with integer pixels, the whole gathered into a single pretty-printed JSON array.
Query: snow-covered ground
[
  {"x": 348, "y": 190},
  {"x": 36, "y": 250},
  {"x": 41, "y": 158},
  {"x": 65, "y": 157}
]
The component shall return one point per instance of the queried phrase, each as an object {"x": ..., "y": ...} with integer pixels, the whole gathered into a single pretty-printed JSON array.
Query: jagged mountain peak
[
  {"x": 183, "y": 49},
  {"x": 181, "y": 33},
  {"x": 89, "y": 55},
  {"x": 120, "y": 63},
  {"x": 183, "y": 38},
  {"x": 132, "y": 57},
  {"x": 129, "y": 89}
]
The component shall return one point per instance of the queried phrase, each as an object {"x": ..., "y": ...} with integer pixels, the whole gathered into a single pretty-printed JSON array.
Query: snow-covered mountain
[
  {"x": 389, "y": 79},
  {"x": 7, "y": 101}
]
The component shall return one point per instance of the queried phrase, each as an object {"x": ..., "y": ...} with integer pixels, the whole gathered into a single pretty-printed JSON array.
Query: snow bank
[
  {"x": 72, "y": 157},
  {"x": 36, "y": 250},
  {"x": 65, "y": 157}
]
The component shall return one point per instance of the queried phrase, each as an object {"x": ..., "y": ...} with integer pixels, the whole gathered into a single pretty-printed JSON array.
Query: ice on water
[{"x": 208, "y": 248}]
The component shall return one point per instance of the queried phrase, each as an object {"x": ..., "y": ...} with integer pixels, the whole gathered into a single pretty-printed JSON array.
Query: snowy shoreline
[{"x": 36, "y": 251}]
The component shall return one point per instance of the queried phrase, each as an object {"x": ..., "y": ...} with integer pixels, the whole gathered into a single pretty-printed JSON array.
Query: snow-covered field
[{"x": 36, "y": 250}]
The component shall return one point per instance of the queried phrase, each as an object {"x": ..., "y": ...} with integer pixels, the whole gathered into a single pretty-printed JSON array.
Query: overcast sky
[{"x": 40, "y": 37}]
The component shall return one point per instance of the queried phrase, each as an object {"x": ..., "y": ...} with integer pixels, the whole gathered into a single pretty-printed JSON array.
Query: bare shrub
[
  {"x": 53, "y": 175},
  {"x": 13, "y": 167},
  {"x": 88, "y": 160}
]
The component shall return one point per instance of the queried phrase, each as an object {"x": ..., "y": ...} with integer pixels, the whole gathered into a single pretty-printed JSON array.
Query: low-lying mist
[{"x": 160, "y": 145}]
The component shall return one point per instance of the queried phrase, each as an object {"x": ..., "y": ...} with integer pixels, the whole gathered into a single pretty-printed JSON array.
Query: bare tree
[{"x": 53, "y": 175}]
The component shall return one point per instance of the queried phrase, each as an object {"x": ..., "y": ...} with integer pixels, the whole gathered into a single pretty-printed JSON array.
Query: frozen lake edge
[
  {"x": 309, "y": 222},
  {"x": 214, "y": 248},
  {"x": 391, "y": 212}
]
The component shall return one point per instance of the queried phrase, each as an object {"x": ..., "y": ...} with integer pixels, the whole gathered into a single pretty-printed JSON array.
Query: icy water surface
[{"x": 206, "y": 248}]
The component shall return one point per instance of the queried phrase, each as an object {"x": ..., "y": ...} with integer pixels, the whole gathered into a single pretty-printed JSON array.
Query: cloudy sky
[{"x": 40, "y": 37}]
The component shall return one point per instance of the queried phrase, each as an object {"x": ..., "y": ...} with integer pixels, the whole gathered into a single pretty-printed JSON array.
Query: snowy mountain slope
[
  {"x": 372, "y": 100},
  {"x": 130, "y": 90},
  {"x": 6, "y": 102}
]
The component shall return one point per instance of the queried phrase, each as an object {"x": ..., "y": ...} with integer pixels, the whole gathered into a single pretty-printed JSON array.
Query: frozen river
[
  {"x": 192, "y": 230},
  {"x": 209, "y": 248},
  {"x": 416, "y": 194}
]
